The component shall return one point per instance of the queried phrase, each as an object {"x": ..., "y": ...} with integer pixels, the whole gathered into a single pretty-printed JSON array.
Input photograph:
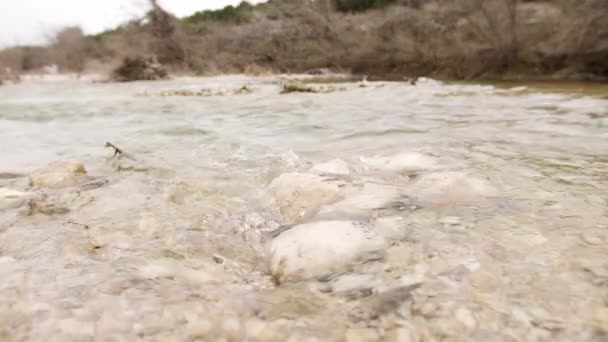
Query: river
[{"x": 502, "y": 230}]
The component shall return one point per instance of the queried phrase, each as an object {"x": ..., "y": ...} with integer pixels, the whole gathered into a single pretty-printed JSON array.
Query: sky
[{"x": 33, "y": 21}]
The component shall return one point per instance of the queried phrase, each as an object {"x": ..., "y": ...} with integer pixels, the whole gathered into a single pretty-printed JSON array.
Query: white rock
[
  {"x": 59, "y": 174},
  {"x": 390, "y": 227},
  {"x": 300, "y": 195},
  {"x": 465, "y": 316},
  {"x": 443, "y": 188},
  {"x": 319, "y": 248},
  {"x": 10, "y": 199},
  {"x": 363, "y": 201},
  {"x": 332, "y": 167},
  {"x": 165, "y": 268},
  {"x": 402, "y": 163}
]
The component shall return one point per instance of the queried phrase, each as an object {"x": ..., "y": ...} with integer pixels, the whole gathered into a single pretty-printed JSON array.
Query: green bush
[
  {"x": 229, "y": 14},
  {"x": 361, "y": 5}
]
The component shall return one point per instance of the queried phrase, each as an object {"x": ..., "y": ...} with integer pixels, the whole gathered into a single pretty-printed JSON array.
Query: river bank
[{"x": 469, "y": 40}]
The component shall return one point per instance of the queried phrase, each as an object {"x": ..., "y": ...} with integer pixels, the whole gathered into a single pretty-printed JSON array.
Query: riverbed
[{"x": 486, "y": 204}]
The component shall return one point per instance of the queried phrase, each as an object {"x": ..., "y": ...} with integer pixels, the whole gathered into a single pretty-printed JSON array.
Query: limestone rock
[
  {"x": 319, "y": 248},
  {"x": 59, "y": 174},
  {"x": 301, "y": 195},
  {"x": 401, "y": 163},
  {"x": 332, "y": 167},
  {"x": 10, "y": 199},
  {"x": 446, "y": 188},
  {"x": 362, "y": 201}
]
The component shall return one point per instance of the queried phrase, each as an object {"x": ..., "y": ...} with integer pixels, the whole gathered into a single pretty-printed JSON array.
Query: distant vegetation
[
  {"x": 458, "y": 39},
  {"x": 229, "y": 14},
  {"x": 361, "y": 5}
]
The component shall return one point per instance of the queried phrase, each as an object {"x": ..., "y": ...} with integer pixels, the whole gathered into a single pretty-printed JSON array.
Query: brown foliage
[
  {"x": 140, "y": 68},
  {"x": 461, "y": 39}
]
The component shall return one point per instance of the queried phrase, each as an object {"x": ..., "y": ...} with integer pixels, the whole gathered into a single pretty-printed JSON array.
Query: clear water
[{"x": 148, "y": 267}]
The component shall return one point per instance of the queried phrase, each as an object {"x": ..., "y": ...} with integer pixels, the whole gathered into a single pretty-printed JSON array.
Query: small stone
[
  {"x": 361, "y": 335},
  {"x": 408, "y": 163},
  {"x": 465, "y": 317},
  {"x": 59, "y": 174},
  {"x": 199, "y": 328},
  {"x": 450, "y": 188},
  {"x": 484, "y": 281},
  {"x": 10, "y": 199},
  {"x": 257, "y": 330},
  {"x": 301, "y": 195},
  {"x": 332, "y": 167},
  {"x": 218, "y": 259},
  {"x": 400, "y": 335},
  {"x": 593, "y": 239},
  {"x": 451, "y": 221},
  {"x": 231, "y": 328},
  {"x": 427, "y": 309}
]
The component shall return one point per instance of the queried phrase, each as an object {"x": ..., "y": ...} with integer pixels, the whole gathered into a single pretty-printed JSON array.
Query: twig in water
[
  {"x": 117, "y": 151},
  {"x": 79, "y": 224}
]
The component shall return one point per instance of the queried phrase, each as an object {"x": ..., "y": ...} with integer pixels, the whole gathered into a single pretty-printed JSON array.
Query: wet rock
[
  {"x": 286, "y": 303},
  {"x": 484, "y": 281},
  {"x": 390, "y": 227},
  {"x": 401, "y": 334},
  {"x": 319, "y": 248},
  {"x": 59, "y": 174},
  {"x": 332, "y": 167},
  {"x": 449, "y": 188},
  {"x": 465, "y": 316},
  {"x": 243, "y": 90},
  {"x": 10, "y": 199},
  {"x": 293, "y": 86},
  {"x": 170, "y": 268},
  {"x": 407, "y": 163},
  {"x": 296, "y": 87},
  {"x": 384, "y": 303},
  {"x": 352, "y": 285},
  {"x": 258, "y": 330},
  {"x": 42, "y": 206},
  {"x": 361, "y": 201},
  {"x": 361, "y": 335},
  {"x": 301, "y": 195},
  {"x": 204, "y": 92}
]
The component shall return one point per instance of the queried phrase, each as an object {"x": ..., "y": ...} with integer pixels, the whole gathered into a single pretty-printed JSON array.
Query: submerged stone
[
  {"x": 10, "y": 199},
  {"x": 59, "y": 174},
  {"x": 451, "y": 188},
  {"x": 401, "y": 163},
  {"x": 332, "y": 167},
  {"x": 319, "y": 248},
  {"x": 300, "y": 195}
]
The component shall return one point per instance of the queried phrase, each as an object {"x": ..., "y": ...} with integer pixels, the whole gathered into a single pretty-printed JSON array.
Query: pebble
[
  {"x": 484, "y": 281},
  {"x": 465, "y": 317},
  {"x": 361, "y": 335},
  {"x": 450, "y": 188},
  {"x": 332, "y": 167},
  {"x": 408, "y": 162},
  {"x": 593, "y": 239},
  {"x": 10, "y": 199}
]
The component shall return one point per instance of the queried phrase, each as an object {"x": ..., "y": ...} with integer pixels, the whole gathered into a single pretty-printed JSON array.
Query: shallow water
[{"x": 174, "y": 248}]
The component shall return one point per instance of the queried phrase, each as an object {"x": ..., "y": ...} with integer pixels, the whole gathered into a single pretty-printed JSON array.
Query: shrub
[{"x": 361, "y": 5}]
